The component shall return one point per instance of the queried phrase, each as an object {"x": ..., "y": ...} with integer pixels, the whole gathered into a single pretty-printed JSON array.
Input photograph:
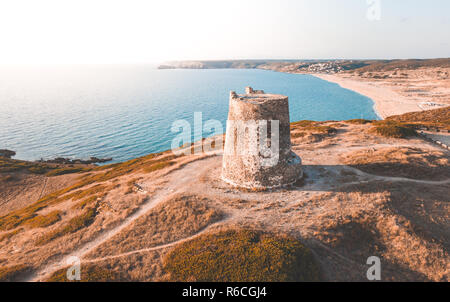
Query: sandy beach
[
  {"x": 421, "y": 90},
  {"x": 386, "y": 101}
]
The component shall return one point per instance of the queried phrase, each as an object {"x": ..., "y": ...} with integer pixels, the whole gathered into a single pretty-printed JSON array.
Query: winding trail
[
  {"x": 177, "y": 182},
  {"x": 43, "y": 188},
  {"x": 157, "y": 247},
  {"x": 396, "y": 179}
]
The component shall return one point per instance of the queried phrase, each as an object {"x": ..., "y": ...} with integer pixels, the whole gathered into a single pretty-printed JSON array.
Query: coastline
[
  {"x": 396, "y": 87},
  {"x": 386, "y": 101}
]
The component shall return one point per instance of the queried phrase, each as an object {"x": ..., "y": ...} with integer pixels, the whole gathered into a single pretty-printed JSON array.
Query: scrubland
[{"x": 170, "y": 218}]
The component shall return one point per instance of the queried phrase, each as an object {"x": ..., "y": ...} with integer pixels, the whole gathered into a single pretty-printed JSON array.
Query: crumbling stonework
[{"x": 257, "y": 151}]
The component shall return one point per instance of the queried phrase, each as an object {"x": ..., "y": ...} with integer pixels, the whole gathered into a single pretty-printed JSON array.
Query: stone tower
[{"x": 257, "y": 151}]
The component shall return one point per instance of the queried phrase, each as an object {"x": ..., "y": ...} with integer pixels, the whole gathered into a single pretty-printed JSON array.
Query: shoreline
[{"x": 386, "y": 101}]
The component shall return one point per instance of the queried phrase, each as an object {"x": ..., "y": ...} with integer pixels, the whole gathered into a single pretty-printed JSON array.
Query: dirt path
[
  {"x": 43, "y": 188},
  {"x": 158, "y": 247},
  {"x": 374, "y": 177},
  {"x": 177, "y": 181}
]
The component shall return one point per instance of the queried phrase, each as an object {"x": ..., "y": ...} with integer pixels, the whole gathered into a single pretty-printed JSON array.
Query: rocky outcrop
[
  {"x": 7, "y": 153},
  {"x": 62, "y": 160}
]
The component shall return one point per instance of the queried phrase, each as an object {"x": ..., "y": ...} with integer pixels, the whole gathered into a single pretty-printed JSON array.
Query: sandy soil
[
  {"x": 27, "y": 188},
  {"x": 399, "y": 92},
  {"x": 342, "y": 213}
]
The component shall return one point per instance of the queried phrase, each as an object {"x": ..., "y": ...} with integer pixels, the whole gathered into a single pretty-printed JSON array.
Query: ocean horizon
[{"x": 127, "y": 111}]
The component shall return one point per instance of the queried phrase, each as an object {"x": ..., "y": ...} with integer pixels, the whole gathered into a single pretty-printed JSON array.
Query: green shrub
[{"x": 241, "y": 255}]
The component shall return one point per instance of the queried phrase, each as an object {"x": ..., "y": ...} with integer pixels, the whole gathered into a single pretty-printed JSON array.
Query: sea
[{"x": 127, "y": 111}]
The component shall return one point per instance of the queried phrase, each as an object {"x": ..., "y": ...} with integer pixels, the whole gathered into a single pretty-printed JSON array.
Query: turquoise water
[{"x": 127, "y": 111}]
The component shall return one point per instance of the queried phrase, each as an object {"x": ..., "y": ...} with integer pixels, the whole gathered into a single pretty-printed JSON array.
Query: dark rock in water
[
  {"x": 7, "y": 153},
  {"x": 68, "y": 161}
]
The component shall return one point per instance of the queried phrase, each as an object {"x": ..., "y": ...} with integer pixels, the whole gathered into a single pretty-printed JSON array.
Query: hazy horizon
[{"x": 135, "y": 31}]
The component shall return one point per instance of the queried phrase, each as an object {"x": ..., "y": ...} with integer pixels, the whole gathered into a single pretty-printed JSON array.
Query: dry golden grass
[
  {"x": 81, "y": 189},
  {"x": 158, "y": 166},
  {"x": 132, "y": 268},
  {"x": 406, "y": 224},
  {"x": 89, "y": 273},
  {"x": 359, "y": 121},
  {"x": 313, "y": 127},
  {"x": 13, "y": 273},
  {"x": 14, "y": 165},
  {"x": 173, "y": 220},
  {"x": 401, "y": 162},
  {"x": 10, "y": 234},
  {"x": 311, "y": 131},
  {"x": 42, "y": 221},
  {"x": 90, "y": 201},
  {"x": 398, "y": 222},
  {"x": 73, "y": 225},
  {"x": 241, "y": 255},
  {"x": 22, "y": 216},
  {"x": 394, "y": 129},
  {"x": 7, "y": 178},
  {"x": 63, "y": 171},
  {"x": 437, "y": 118}
]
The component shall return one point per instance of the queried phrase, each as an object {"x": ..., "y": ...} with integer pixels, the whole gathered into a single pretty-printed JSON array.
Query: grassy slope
[{"x": 242, "y": 255}]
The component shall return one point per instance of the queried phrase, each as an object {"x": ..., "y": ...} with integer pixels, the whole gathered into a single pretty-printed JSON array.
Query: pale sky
[{"x": 131, "y": 31}]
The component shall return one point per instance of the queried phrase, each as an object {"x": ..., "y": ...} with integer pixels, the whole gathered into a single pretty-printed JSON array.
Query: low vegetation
[
  {"x": 42, "y": 221},
  {"x": 8, "y": 235},
  {"x": 158, "y": 166},
  {"x": 359, "y": 121},
  {"x": 178, "y": 218},
  {"x": 13, "y": 165},
  {"x": 401, "y": 162},
  {"x": 30, "y": 213},
  {"x": 13, "y": 273},
  {"x": 394, "y": 129},
  {"x": 78, "y": 191},
  {"x": 89, "y": 273},
  {"x": 410, "y": 64},
  {"x": 241, "y": 255},
  {"x": 63, "y": 171},
  {"x": 8, "y": 178},
  {"x": 73, "y": 225},
  {"x": 436, "y": 118},
  {"x": 303, "y": 128}
]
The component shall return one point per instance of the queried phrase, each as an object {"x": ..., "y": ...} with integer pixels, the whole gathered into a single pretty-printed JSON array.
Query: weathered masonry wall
[{"x": 257, "y": 151}]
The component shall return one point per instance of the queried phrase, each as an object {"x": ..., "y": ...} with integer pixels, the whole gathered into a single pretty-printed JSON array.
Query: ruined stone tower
[{"x": 257, "y": 151}]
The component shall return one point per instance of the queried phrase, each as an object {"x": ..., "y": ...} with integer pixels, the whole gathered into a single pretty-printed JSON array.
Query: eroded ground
[{"x": 363, "y": 195}]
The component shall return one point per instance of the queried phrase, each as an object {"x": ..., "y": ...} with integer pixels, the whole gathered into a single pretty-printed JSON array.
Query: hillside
[
  {"x": 311, "y": 66},
  {"x": 364, "y": 195}
]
